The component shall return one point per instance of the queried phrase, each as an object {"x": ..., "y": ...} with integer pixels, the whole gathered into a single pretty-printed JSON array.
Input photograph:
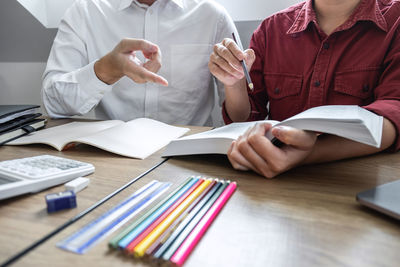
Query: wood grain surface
[{"x": 305, "y": 217}]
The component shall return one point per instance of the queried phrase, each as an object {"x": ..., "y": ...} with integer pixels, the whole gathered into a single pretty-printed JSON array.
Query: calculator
[{"x": 33, "y": 174}]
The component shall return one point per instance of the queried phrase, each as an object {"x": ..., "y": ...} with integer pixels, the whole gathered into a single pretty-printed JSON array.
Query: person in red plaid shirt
[{"x": 318, "y": 52}]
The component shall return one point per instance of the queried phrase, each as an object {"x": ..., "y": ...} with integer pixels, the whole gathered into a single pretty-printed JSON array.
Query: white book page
[
  {"x": 331, "y": 112},
  {"x": 59, "y": 136},
  {"x": 138, "y": 138},
  {"x": 348, "y": 121},
  {"x": 216, "y": 141},
  {"x": 231, "y": 131}
]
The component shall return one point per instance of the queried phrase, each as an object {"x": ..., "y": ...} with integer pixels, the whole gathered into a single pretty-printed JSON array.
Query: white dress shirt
[{"x": 185, "y": 31}]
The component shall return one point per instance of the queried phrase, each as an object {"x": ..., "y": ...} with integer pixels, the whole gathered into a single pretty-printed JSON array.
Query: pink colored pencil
[{"x": 194, "y": 237}]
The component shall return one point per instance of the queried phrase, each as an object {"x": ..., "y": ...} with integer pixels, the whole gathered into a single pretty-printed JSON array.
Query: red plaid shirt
[{"x": 298, "y": 66}]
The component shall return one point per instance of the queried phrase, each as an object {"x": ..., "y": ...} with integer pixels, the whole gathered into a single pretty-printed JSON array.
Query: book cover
[
  {"x": 21, "y": 130},
  {"x": 18, "y": 122},
  {"x": 10, "y": 112}
]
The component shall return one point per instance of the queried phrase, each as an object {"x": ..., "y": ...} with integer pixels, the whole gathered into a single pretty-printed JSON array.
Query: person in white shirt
[{"x": 107, "y": 57}]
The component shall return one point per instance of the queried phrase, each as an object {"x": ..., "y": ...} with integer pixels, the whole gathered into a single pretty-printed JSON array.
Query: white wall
[{"x": 254, "y": 9}]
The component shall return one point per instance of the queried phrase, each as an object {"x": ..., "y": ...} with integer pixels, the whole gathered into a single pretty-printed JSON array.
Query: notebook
[
  {"x": 21, "y": 130},
  {"x": 10, "y": 112},
  {"x": 383, "y": 198},
  {"x": 138, "y": 138},
  {"x": 17, "y": 122}
]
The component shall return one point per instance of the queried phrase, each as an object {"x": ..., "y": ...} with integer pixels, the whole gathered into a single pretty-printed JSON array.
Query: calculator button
[{"x": 44, "y": 167}]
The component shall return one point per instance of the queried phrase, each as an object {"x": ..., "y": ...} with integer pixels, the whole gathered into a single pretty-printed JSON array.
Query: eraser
[
  {"x": 60, "y": 201},
  {"x": 77, "y": 184}
]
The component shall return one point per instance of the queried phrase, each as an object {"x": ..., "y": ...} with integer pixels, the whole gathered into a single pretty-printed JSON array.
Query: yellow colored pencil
[{"x": 141, "y": 248}]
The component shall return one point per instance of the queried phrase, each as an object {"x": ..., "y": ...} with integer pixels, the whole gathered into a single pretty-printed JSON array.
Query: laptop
[{"x": 383, "y": 198}]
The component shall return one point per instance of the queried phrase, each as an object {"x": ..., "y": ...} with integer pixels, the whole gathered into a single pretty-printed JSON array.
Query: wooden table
[{"x": 305, "y": 217}]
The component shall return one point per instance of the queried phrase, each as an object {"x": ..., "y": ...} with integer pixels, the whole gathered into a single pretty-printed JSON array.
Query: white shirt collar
[{"x": 126, "y": 3}]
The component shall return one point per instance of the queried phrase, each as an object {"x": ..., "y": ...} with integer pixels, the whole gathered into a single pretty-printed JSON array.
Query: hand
[
  {"x": 254, "y": 151},
  {"x": 225, "y": 63},
  {"x": 122, "y": 61}
]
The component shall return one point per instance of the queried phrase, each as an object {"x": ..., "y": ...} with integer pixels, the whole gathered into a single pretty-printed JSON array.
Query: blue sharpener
[{"x": 60, "y": 201}]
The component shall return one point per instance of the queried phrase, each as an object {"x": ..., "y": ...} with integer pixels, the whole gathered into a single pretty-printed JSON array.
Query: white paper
[{"x": 137, "y": 139}]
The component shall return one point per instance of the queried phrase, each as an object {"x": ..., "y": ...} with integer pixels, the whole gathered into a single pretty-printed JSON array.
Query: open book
[
  {"x": 351, "y": 122},
  {"x": 137, "y": 138}
]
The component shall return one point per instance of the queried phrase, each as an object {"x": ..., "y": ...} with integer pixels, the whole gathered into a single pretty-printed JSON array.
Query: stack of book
[{"x": 18, "y": 120}]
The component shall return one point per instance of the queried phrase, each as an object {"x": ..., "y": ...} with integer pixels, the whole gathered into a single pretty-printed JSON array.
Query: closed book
[
  {"x": 10, "y": 112},
  {"x": 18, "y": 122},
  {"x": 21, "y": 130}
]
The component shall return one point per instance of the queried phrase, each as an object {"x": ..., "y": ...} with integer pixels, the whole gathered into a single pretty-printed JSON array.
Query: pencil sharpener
[{"x": 60, "y": 201}]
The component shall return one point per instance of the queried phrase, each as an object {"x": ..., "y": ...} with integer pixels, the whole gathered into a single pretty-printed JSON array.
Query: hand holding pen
[
  {"x": 229, "y": 64},
  {"x": 246, "y": 72}
]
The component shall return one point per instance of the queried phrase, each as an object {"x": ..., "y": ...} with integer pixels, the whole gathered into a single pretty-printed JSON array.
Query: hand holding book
[
  {"x": 251, "y": 151},
  {"x": 347, "y": 121}
]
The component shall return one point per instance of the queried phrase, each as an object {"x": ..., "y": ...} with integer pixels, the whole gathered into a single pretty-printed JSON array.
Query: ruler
[{"x": 89, "y": 235}]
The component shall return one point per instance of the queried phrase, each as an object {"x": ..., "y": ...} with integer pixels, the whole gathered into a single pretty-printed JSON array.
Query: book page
[
  {"x": 215, "y": 141},
  {"x": 331, "y": 112},
  {"x": 138, "y": 138},
  {"x": 348, "y": 121},
  {"x": 231, "y": 131},
  {"x": 59, "y": 136}
]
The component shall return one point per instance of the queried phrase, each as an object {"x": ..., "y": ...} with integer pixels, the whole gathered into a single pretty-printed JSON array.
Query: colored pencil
[
  {"x": 114, "y": 242},
  {"x": 190, "y": 242},
  {"x": 140, "y": 249},
  {"x": 171, "y": 245},
  {"x": 156, "y": 244},
  {"x": 140, "y": 235}
]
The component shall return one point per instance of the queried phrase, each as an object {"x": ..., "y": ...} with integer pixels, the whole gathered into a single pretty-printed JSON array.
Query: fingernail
[
  {"x": 278, "y": 131},
  {"x": 153, "y": 48}
]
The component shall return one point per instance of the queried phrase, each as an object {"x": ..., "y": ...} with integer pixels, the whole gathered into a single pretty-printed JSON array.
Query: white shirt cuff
[{"x": 90, "y": 85}]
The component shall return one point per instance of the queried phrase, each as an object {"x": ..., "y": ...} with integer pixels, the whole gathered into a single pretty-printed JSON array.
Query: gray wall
[{"x": 23, "y": 38}]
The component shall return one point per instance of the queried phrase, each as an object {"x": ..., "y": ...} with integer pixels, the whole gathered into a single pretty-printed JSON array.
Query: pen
[{"x": 246, "y": 72}]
